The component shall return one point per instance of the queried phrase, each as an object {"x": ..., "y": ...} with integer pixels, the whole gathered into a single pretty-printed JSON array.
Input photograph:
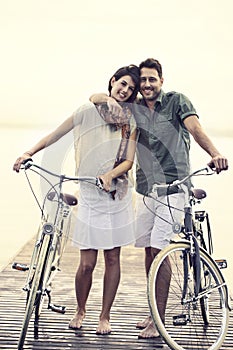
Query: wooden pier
[{"x": 129, "y": 307}]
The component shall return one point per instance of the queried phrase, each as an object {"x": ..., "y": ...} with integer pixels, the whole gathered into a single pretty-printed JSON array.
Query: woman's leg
[
  {"x": 83, "y": 282},
  {"x": 111, "y": 282}
]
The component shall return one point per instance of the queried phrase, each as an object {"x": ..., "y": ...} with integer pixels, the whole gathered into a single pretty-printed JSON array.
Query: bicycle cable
[
  {"x": 168, "y": 205},
  {"x": 33, "y": 192}
]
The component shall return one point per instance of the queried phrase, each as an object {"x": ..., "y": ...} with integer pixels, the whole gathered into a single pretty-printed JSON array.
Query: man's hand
[
  {"x": 113, "y": 106},
  {"x": 219, "y": 163}
]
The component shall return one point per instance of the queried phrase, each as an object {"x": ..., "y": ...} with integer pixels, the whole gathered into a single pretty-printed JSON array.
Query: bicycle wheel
[
  {"x": 200, "y": 217},
  {"x": 34, "y": 292},
  {"x": 184, "y": 327}
]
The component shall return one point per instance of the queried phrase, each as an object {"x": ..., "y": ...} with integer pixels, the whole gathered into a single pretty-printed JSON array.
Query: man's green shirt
[{"x": 164, "y": 142}]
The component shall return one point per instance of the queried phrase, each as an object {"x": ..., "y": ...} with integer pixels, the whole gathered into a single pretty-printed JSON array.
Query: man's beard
[{"x": 153, "y": 97}]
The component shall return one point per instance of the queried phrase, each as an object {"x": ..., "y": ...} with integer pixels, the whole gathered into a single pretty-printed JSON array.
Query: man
[{"x": 165, "y": 122}]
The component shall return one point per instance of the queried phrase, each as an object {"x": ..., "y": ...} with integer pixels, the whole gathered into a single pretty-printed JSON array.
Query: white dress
[{"x": 101, "y": 223}]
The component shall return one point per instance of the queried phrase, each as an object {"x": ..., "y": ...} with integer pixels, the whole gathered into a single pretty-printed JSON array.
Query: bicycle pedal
[
  {"x": 222, "y": 263},
  {"x": 180, "y": 320},
  {"x": 57, "y": 308},
  {"x": 20, "y": 267}
]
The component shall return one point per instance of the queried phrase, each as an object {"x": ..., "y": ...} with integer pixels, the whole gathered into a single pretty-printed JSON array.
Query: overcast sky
[{"x": 56, "y": 53}]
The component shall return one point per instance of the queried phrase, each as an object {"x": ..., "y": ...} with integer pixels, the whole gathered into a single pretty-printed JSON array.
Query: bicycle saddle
[
  {"x": 199, "y": 193},
  {"x": 67, "y": 198}
]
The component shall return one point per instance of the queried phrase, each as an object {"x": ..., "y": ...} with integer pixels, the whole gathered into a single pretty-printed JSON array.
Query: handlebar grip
[
  {"x": 27, "y": 160},
  {"x": 27, "y": 163},
  {"x": 99, "y": 183}
]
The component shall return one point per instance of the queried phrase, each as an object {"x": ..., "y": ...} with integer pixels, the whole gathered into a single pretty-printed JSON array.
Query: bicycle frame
[
  {"x": 189, "y": 235},
  {"x": 49, "y": 246}
]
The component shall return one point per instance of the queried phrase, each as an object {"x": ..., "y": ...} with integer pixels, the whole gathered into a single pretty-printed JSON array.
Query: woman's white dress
[{"x": 101, "y": 223}]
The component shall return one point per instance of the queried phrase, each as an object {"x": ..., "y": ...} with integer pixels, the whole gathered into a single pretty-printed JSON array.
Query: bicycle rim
[
  {"x": 204, "y": 301},
  {"x": 33, "y": 292},
  {"x": 185, "y": 327}
]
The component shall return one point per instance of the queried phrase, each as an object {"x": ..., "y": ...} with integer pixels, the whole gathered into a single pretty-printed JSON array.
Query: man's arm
[
  {"x": 112, "y": 104},
  {"x": 218, "y": 161}
]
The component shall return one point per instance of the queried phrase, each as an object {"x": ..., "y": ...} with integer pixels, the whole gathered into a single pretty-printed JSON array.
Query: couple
[{"x": 105, "y": 134}]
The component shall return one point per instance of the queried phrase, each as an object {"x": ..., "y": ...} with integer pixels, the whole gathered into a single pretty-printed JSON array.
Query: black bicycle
[
  {"x": 49, "y": 246},
  {"x": 197, "y": 304}
]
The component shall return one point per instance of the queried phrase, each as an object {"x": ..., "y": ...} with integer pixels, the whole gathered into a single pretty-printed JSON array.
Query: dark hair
[
  {"x": 152, "y": 63},
  {"x": 134, "y": 72}
]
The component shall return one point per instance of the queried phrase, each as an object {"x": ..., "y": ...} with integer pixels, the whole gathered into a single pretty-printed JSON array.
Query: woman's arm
[
  {"x": 46, "y": 141},
  {"x": 123, "y": 167},
  {"x": 218, "y": 161}
]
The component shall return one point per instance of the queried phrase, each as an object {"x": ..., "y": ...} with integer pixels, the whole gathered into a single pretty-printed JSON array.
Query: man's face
[{"x": 150, "y": 83}]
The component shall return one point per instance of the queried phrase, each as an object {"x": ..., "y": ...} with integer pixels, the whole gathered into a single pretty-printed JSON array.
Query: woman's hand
[
  {"x": 107, "y": 181},
  {"x": 20, "y": 160}
]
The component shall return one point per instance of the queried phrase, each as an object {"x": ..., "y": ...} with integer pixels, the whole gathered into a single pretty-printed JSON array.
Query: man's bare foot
[
  {"x": 143, "y": 324},
  {"x": 77, "y": 320},
  {"x": 103, "y": 328},
  {"x": 149, "y": 332}
]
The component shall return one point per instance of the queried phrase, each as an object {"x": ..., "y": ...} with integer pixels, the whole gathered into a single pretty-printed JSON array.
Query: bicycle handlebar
[
  {"x": 28, "y": 163},
  {"x": 207, "y": 169}
]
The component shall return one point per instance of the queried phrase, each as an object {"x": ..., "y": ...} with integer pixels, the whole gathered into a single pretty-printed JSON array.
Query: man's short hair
[{"x": 152, "y": 63}]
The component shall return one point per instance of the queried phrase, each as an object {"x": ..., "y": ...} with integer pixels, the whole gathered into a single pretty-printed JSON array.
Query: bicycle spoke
[{"x": 185, "y": 325}]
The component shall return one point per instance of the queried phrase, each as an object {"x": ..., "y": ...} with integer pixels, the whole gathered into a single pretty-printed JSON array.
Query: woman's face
[{"x": 122, "y": 88}]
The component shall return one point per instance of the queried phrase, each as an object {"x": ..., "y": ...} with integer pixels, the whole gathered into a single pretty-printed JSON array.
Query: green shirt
[{"x": 164, "y": 142}]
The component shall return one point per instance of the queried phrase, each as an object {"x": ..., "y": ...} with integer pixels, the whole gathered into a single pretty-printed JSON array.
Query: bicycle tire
[
  {"x": 33, "y": 292},
  {"x": 41, "y": 297},
  {"x": 184, "y": 327},
  {"x": 199, "y": 234}
]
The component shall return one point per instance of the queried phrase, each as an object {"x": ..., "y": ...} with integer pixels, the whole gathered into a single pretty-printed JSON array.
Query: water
[{"x": 20, "y": 216}]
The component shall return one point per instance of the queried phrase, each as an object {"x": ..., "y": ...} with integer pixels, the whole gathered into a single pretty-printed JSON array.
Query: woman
[{"x": 104, "y": 147}]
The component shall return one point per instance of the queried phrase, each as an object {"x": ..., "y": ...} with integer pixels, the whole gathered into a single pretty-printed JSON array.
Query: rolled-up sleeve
[{"x": 186, "y": 108}]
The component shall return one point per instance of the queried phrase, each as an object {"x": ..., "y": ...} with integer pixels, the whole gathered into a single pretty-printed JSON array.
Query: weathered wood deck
[{"x": 130, "y": 306}]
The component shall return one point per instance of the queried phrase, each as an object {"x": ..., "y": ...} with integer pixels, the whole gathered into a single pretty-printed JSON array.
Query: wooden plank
[{"x": 129, "y": 307}]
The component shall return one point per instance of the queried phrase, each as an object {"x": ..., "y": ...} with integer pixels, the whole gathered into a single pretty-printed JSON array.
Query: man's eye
[{"x": 143, "y": 80}]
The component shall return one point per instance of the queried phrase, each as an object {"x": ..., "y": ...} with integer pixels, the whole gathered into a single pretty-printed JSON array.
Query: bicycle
[
  {"x": 197, "y": 302},
  {"x": 49, "y": 246}
]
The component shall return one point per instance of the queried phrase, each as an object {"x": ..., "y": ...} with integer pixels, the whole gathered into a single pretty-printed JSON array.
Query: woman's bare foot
[
  {"x": 149, "y": 332},
  {"x": 143, "y": 324},
  {"x": 77, "y": 320},
  {"x": 103, "y": 328}
]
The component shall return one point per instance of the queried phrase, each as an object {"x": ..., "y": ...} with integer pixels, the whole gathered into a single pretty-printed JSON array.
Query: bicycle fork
[{"x": 49, "y": 271}]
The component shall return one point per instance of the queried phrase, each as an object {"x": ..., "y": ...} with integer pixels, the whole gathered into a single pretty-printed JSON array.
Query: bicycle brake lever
[
  {"x": 210, "y": 170},
  {"x": 27, "y": 163}
]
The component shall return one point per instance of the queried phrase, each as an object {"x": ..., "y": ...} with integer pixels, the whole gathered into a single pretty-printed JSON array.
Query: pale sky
[{"x": 56, "y": 53}]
